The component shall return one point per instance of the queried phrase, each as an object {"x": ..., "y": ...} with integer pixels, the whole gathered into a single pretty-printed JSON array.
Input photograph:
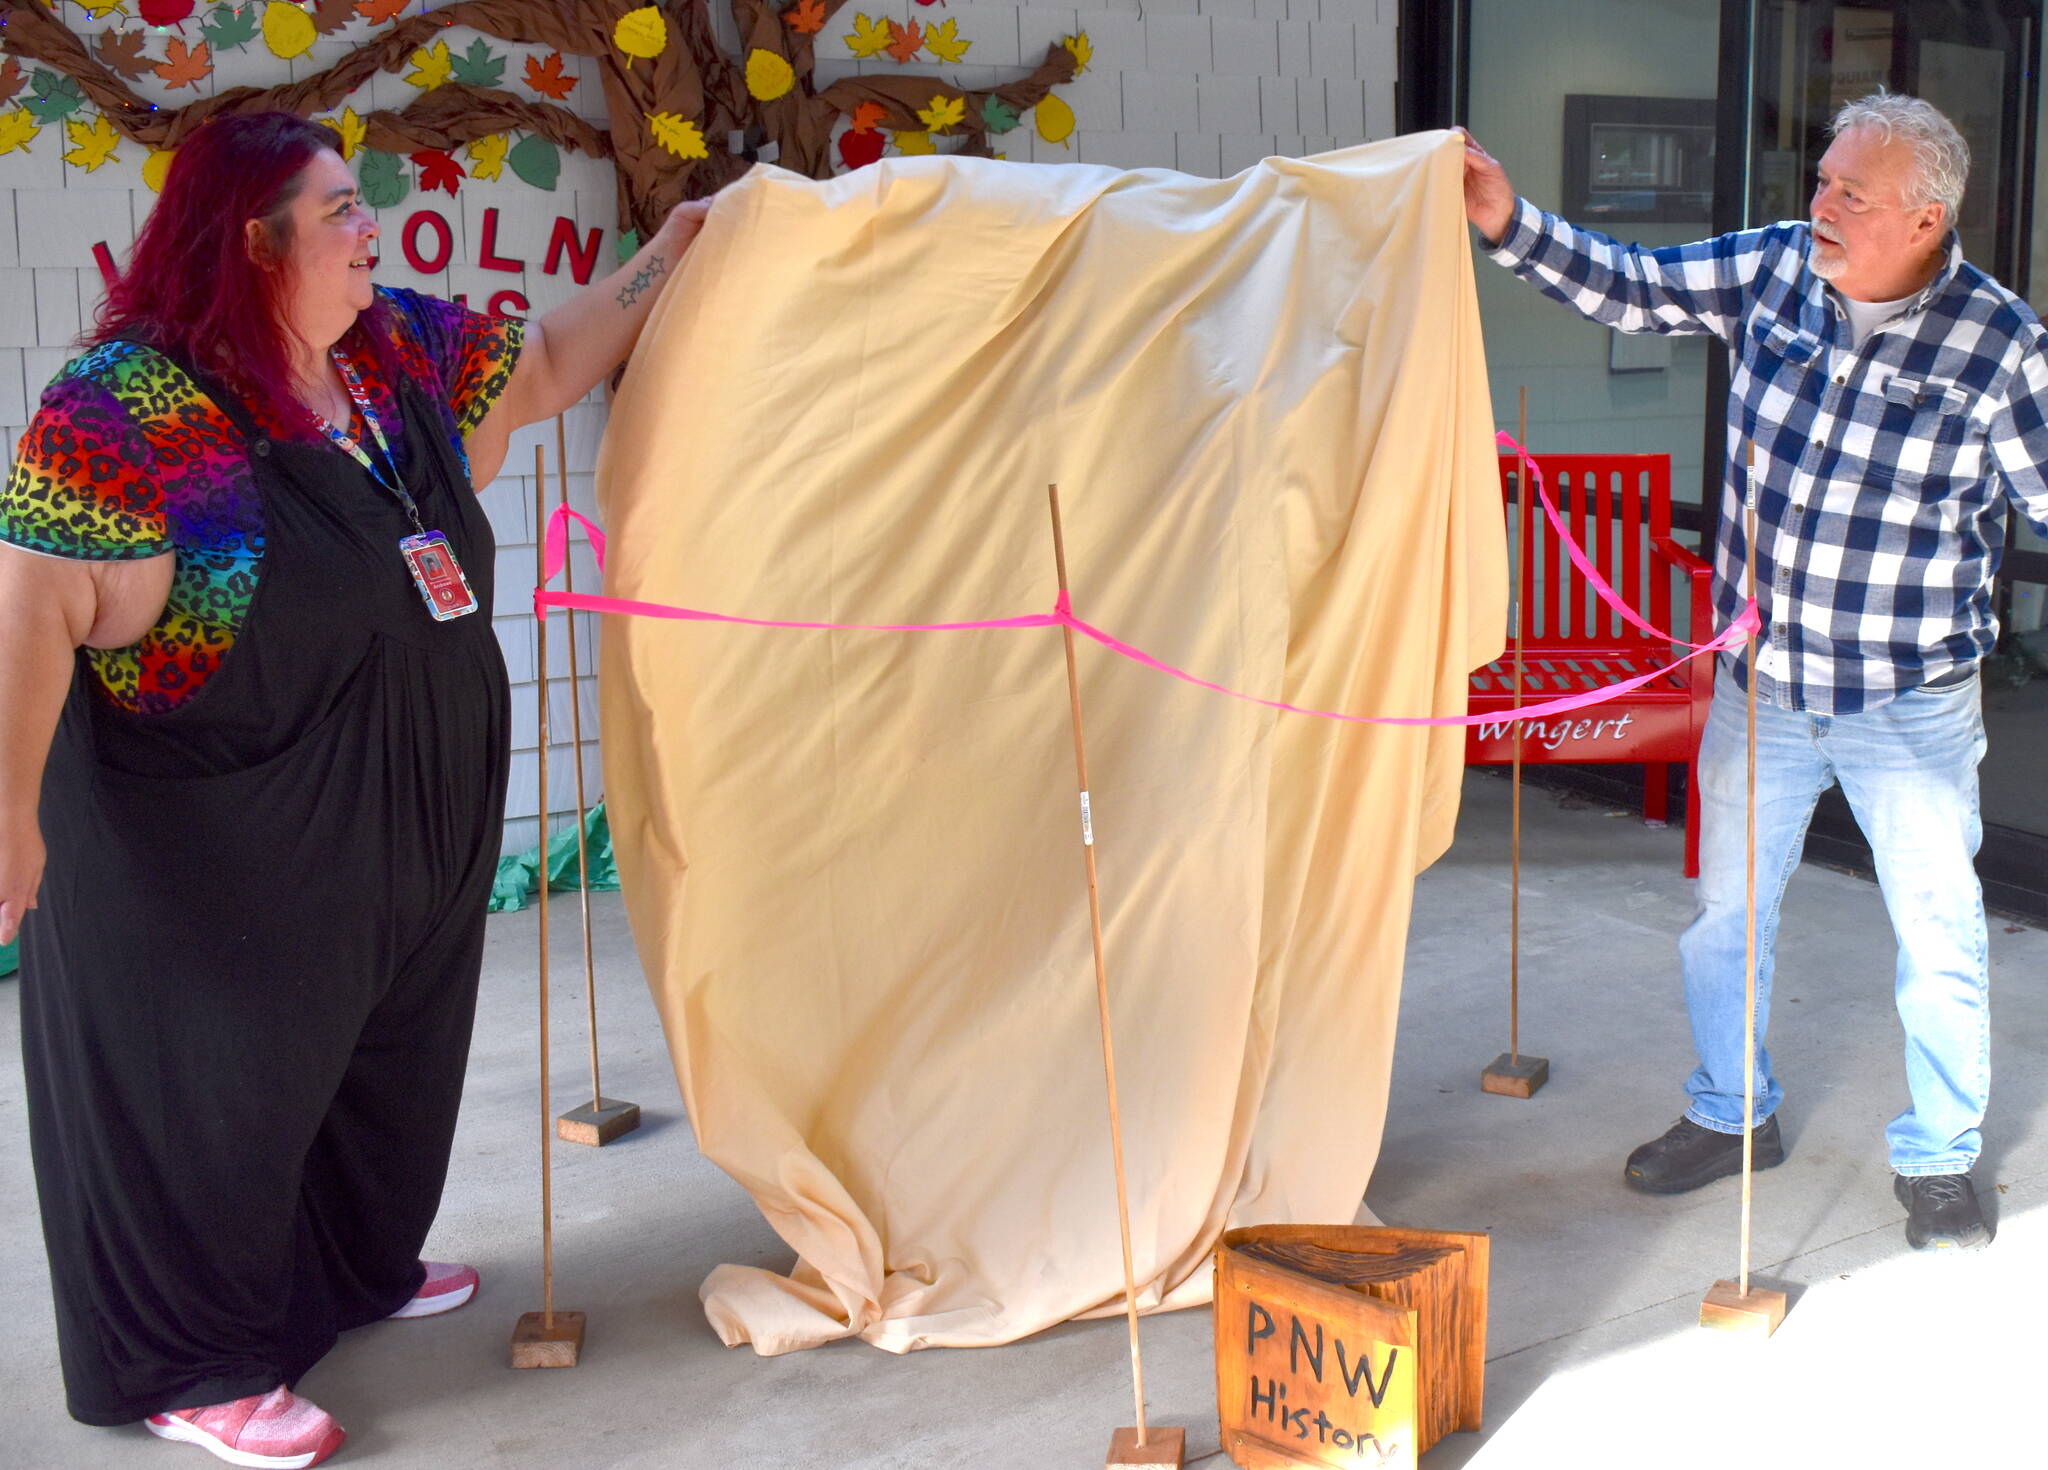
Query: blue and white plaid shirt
[{"x": 1882, "y": 471}]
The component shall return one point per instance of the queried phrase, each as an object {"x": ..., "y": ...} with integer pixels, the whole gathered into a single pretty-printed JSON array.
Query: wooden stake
[
  {"x": 1128, "y": 1447},
  {"x": 603, "y": 1118},
  {"x": 1749, "y": 875},
  {"x": 545, "y": 1339},
  {"x": 1735, "y": 1305},
  {"x": 1511, "y": 1074}
]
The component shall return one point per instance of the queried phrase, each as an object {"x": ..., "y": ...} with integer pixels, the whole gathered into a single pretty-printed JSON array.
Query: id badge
[{"x": 438, "y": 575}]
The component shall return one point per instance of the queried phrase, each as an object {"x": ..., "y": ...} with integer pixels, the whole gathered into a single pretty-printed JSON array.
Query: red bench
[{"x": 1618, "y": 508}]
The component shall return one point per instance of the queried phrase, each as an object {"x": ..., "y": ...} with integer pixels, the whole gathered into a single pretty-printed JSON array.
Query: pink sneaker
[
  {"x": 275, "y": 1430},
  {"x": 447, "y": 1287}
]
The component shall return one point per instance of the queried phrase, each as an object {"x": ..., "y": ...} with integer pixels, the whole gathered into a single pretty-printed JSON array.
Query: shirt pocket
[
  {"x": 1921, "y": 434},
  {"x": 1774, "y": 342},
  {"x": 1930, "y": 398}
]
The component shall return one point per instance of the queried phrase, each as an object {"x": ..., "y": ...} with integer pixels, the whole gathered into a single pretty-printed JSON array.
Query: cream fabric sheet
[{"x": 852, "y": 860}]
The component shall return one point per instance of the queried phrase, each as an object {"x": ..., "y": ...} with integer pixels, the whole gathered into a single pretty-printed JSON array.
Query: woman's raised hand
[{"x": 683, "y": 223}]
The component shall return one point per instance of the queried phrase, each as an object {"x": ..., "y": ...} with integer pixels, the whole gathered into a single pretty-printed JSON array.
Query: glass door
[
  {"x": 1975, "y": 60},
  {"x": 1775, "y": 71},
  {"x": 1968, "y": 59},
  {"x": 1618, "y": 137}
]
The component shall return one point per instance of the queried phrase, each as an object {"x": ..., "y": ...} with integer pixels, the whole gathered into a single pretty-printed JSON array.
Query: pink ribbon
[
  {"x": 1600, "y": 585},
  {"x": 1564, "y": 705},
  {"x": 556, "y": 553}
]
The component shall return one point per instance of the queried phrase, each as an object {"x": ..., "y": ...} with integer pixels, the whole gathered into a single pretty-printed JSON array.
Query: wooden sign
[{"x": 1347, "y": 1345}]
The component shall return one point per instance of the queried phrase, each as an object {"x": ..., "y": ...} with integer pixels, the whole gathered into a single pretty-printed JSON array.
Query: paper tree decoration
[{"x": 673, "y": 96}]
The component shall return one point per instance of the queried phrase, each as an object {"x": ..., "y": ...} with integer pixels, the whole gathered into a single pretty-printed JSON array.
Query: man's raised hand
[{"x": 1489, "y": 197}]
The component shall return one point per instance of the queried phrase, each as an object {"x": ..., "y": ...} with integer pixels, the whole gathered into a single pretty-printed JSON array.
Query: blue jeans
[{"x": 1909, "y": 770}]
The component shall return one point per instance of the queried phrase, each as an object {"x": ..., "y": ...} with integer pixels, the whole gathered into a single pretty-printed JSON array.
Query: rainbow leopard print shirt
[{"x": 128, "y": 458}]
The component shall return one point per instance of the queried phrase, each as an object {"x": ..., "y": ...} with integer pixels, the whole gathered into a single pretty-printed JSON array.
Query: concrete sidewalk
[{"x": 1887, "y": 1357}]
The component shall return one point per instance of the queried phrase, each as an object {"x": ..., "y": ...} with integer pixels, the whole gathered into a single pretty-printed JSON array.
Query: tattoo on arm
[{"x": 642, "y": 280}]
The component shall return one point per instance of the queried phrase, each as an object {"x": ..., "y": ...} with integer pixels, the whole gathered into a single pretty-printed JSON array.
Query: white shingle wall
[{"x": 1205, "y": 86}]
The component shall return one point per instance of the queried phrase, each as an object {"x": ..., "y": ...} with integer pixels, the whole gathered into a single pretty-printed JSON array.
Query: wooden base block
[
  {"x": 1725, "y": 1307},
  {"x": 537, "y": 1345},
  {"x": 1511, "y": 1076},
  {"x": 1162, "y": 1447},
  {"x": 600, "y": 1124}
]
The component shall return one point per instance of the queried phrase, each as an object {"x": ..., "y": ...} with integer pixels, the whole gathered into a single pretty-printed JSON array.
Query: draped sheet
[{"x": 852, "y": 860}]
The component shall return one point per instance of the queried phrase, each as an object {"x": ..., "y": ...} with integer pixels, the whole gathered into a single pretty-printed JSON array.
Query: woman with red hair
[{"x": 255, "y": 706}]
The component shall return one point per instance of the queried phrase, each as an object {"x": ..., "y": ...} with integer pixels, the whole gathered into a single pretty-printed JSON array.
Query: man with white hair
[{"x": 1896, "y": 397}]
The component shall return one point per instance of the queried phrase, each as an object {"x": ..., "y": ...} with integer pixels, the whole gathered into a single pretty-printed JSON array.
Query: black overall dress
[{"x": 248, "y": 991}]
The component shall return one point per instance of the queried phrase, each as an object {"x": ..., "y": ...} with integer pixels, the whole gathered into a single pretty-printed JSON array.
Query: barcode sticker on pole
[{"x": 1087, "y": 823}]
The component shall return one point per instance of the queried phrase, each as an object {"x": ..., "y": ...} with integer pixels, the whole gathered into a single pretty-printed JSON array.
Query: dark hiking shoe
[
  {"x": 1941, "y": 1211},
  {"x": 1688, "y": 1156}
]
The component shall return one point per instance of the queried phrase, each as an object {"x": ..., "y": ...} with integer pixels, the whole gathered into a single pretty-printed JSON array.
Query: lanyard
[{"x": 347, "y": 444}]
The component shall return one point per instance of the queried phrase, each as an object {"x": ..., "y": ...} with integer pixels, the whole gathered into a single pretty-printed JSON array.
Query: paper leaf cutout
[
  {"x": 228, "y": 29},
  {"x": 678, "y": 135},
  {"x": 184, "y": 66},
  {"x": 1081, "y": 49},
  {"x": 858, "y": 149},
  {"x": 905, "y": 41},
  {"x": 351, "y": 129},
  {"x": 330, "y": 16},
  {"x": 912, "y": 144},
  {"x": 943, "y": 112},
  {"x": 11, "y": 79},
  {"x": 56, "y": 97},
  {"x": 870, "y": 36},
  {"x": 17, "y": 129},
  {"x": 768, "y": 76},
  {"x": 478, "y": 67},
  {"x": 288, "y": 30},
  {"x": 376, "y": 12},
  {"x": 384, "y": 183},
  {"x": 156, "y": 167},
  {"x": 867, "y": 115},
  {"x": 943, "y": 42},
  {"x": 641, "y": 32},
  {"x": 629, "y": 246},
  {"x": 548, "y": 78},
  {"x": 438, "y": 170},
  {"x": 431, "y": 66},
  {"x": 536, "y": 160},
  {"x": 162, "y": 12},
  {"x": 487, "y": 155},
  {"x": 96, "y": 142},
  {"x": 806, "y": 17},
  {"x": 1055, "y": 119},
  {"x": 99, "y": 9},
  {"x": 121, "y": 52},
  {"x": 997, "y": 115}
]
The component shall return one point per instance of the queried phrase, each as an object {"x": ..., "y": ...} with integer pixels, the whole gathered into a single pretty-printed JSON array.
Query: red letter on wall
[
  {"x": 508, "y": 303},
  {"x": 426, "y": 218},
  {"x": 104, "y": 259},
  {"x": 489, "y": 258},
  {"x": 582, "y": 257}
]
